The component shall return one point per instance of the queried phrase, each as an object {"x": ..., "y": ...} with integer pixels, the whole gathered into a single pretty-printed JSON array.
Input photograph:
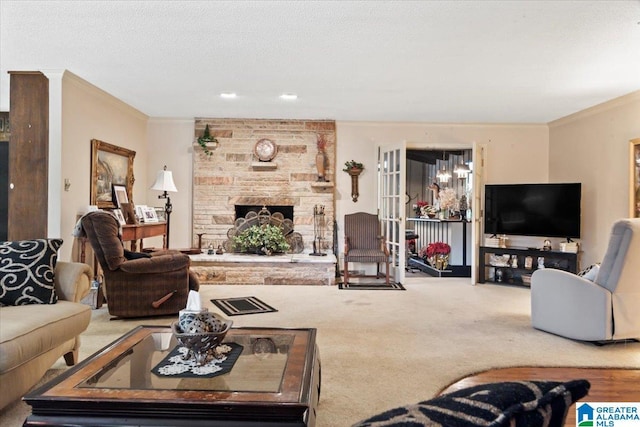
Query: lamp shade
[
  {"x": 443, "y": 175},
  {"x": 164, "y": 181},
  {"x": 462, "y": 170}
]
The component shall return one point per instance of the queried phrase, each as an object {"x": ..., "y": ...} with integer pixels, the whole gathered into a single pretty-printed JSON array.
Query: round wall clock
[{"x": 265, "y": 149}]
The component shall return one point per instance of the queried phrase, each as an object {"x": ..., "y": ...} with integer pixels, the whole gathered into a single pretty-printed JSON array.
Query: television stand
[{"x": 515, "y": 265}]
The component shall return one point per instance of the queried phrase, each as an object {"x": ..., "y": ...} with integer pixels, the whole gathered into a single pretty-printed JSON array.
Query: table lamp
[{"x": 164, "y": 183}]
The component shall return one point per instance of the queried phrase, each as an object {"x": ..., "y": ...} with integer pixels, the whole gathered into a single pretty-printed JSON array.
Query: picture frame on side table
[
  {"x": 161, "y": 213},
  {"x": 110, "y": 165},
  {"x": 150, "y": 214},
  {"x": 140, "y": 212},
  {"x": 118, "y": 214},
  {"x": 120, "y": 195},
  {"x": 129, "y": 213},
  {"x": 634, "y": 178}
]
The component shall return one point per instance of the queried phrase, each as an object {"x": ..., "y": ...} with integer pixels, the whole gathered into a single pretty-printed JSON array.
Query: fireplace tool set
[{"x": 318, "y": 230}]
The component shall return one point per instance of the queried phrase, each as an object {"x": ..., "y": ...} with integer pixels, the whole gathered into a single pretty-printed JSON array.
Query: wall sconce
[
  {"x": 208, "y": 142},
  {"x": 354, "y": 169}
]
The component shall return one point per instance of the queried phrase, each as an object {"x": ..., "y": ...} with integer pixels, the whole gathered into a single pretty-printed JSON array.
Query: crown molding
[
  {"x": 90, "y": 88},
  {"x": 597, "y": 109}
]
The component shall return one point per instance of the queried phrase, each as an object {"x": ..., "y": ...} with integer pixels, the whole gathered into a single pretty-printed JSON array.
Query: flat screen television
[{"x": 547, "y": 210}]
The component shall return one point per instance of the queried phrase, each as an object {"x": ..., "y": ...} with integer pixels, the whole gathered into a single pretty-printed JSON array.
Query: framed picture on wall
[
  {"x": 110, "y": 165},
  {"x": 634, "y": 178}
]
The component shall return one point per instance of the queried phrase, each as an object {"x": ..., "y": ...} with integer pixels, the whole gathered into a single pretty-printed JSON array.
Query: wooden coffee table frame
[{"x": 62, "y": 402}]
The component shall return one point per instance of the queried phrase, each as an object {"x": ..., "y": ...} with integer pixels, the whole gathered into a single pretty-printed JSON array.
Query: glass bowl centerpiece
[{"x": 200, "y": 332}]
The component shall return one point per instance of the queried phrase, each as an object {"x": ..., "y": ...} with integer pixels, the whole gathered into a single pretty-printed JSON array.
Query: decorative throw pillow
[
  {"x": 518, "y": 403},
  {"x": 590, "y": 272},
  {"x": 27, "y": 271}
]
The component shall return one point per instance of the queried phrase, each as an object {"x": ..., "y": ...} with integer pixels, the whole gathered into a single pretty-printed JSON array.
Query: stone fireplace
[{"x": 233, "y": 180}]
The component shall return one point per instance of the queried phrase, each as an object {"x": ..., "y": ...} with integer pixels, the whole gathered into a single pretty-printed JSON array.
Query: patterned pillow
[
  {"x": 518, "y": 403},
  {"x": 27, "y": 271},
  {"x": 590, "y": 273}
]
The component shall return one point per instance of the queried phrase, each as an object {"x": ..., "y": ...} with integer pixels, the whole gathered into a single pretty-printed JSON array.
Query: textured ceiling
[{"x": 428, "y": 61}]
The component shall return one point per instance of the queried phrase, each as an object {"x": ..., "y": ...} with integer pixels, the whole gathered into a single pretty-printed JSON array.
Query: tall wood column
[{"x": 28, "y": 155}]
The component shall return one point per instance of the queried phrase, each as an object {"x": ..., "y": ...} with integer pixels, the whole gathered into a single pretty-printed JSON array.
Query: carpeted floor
[{"x": 384, "y": 349}]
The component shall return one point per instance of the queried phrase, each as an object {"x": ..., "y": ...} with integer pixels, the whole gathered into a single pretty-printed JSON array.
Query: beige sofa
[{"x": 33, "y": 337}]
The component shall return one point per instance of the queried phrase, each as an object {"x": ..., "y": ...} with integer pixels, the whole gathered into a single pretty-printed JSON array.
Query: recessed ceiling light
[
  {"x": 289, "y": 96},
  {"x": 228, "y": 95}
]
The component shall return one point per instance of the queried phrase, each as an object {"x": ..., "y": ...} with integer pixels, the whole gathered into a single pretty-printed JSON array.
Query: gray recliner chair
[{"x": 603, "y": 310}]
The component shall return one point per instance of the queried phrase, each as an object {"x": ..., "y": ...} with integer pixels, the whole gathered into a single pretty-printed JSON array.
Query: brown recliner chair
[{"x": 143, "y": 285}]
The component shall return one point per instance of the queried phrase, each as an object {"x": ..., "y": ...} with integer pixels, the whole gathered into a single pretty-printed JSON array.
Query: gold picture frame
[
  {"x": 110, "y": 165},
  {"x": 634, "y": 178}
]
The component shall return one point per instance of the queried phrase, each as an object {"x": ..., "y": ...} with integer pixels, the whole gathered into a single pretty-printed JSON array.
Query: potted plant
[
  {"x": 436, "y": 254},
  {"x": 352, "y": 165},
  {"x": 263, "y": 239},
  {"x": 206, "y": 139}
]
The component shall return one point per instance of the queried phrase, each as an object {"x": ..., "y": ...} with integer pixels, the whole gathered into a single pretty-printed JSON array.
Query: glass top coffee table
[{"x": 275, "y": 381}]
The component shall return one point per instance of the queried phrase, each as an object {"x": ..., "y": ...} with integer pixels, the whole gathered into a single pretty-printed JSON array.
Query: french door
[
  {"x": 391, "y": 204},
  {"x": 477, "y": 208}
]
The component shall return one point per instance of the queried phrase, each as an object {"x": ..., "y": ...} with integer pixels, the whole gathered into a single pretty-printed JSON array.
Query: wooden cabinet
[
  {"x": 136, "y": 232},
  {"x": 28, "y": 156},
  {"x": 515, "y": 265}
]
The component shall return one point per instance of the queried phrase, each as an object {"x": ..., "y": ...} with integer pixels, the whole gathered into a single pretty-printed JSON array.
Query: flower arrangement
[
  {"x": 436, "y": 254},
  {"x": 417, "y": 208},
  {"x": 262, "y": 239},
  {"x": 448, "y": 199},
  {"x": 437, "y": 248},
  {"x": 321, "y": 142}
]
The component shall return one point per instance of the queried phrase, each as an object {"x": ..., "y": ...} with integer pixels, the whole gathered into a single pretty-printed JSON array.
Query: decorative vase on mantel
[
  {"x": 321, "y": 161},
  {"x": 321, "y": 158}
]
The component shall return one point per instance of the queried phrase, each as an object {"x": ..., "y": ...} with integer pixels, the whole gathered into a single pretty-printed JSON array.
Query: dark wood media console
[{"x": 511, "y": 265}]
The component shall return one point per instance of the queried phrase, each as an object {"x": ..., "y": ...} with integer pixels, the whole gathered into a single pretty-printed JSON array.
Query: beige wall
[
  {"x": 170, "y": 143},
  {"x": 589, "y": 147},
  {"x": 592, "y": 147},
  {"x": 87, "y": 113},
  {"x": 515, "y": 153}
]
